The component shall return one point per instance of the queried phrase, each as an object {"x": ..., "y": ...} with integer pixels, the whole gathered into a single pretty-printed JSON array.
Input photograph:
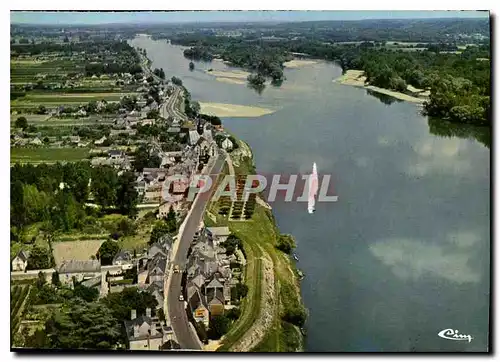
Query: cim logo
[{"x": 453, "y": 335}]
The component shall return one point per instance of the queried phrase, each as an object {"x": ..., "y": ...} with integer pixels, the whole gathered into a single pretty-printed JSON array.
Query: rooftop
[{"x": 76, "y": 266}]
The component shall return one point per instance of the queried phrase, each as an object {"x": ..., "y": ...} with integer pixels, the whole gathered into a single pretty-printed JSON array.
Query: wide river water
[{"x": 405, "y": 251}]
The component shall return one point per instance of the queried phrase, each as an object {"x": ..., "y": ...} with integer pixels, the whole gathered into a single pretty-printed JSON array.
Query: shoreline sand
[
  {"x": 233, "y": 110},
  {"x": 230, "y": 80},
  {"x": 298, "y": 63},
  {"x": 357, "y": 78},
  {"x": 237, "y": 74}
]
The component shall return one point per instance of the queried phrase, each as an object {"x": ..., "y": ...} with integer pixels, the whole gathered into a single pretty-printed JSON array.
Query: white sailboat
[{"x": 313, "y": 189}]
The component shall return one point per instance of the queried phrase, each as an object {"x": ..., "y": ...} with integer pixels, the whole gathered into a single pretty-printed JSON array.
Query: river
[{"x": 405, "y": 251}]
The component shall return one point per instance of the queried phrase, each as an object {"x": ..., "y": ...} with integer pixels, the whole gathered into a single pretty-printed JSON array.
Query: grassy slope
[{"x": 259, "y": 235}]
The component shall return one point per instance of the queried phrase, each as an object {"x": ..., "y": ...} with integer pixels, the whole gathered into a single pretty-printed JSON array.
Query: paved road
[
  {"x": 183, "y": 332},
  {"x": 169, "y": 108}
]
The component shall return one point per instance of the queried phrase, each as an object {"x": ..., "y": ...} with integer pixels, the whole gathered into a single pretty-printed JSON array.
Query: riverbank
[
  {"x": 298, "y": 63},
  {"x": 357, "y": 78},
  {"x": 233, "y": 110},
  {"x": 271, "y": 277}
]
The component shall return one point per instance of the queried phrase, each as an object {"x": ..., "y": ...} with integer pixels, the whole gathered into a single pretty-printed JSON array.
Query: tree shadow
[
  {"x": 443, "y": 128},
  {"x": 384, "y": 98}
]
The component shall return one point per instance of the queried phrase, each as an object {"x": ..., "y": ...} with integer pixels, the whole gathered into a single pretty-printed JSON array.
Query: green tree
[
  {"x": 233, "y": 313},
  {"x": 195, "y": 107},
  {"x": 295, "y": 315},
  {"x": 153, "y": 114},
  {"x": 41, "y": 110},
  {"x": 176, "y": 81},
  {"x": 39, "y": 258},
  {"x": 104, "y": 186},
  {"x": 121, "y": 304},
  {"x": 86, "y": 293},
  {"x": 219, "y": 325},
  {"x": 36, "y": 204},
  {"x": 143, "y": 159},
  {"x": 67, "y": 213},
  {"x": 160, "y": 229},
  {"x": 17, "y": 211},
  {"x": 241, "y": 290},
  {"x": 21, "y": 122},
  {"x": 127, "y": 194},
  {"x": 81, "y": 325},
  {"x": 286, "y": 243},
  {"x": 171, "y": 221},
  {"x": 40, "y": 281},
  {"x": 76, "y": 178},
  {"x": 107, "y": 252},
  {"x": 55, "y": 279}
]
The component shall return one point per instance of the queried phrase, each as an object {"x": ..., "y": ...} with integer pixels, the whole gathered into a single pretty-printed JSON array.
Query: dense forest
[{"x": 56, "y": 195}]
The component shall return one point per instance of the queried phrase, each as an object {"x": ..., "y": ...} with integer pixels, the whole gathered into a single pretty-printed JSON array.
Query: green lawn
[{"x": 28, "y": 155}]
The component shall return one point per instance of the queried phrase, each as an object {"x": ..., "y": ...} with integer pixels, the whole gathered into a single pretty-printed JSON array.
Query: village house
[
  {"x": 197, "y": 305},
  {"x": 146, "y": 332},
  {"x": 156, "y": 289},
  {"x": 83, "y": 144},
  {"x": 74, "y": 139},
  {"x": 209, "y": 274},
  {"x": 156, "y": 269},
  {"x": 116, "y": 154},
  {"x": 79, "y": 269},
  {"x": 122, "y": 258},
  {"x": 100, "y": 141},
  {"x": 147, "y": 122},
  {"x": 227, "y": 144},
  {"x": 20, "y": 261},
  {"x": 219, "y": 234},
  {"x": 173, "y": 130},
  {"x": 36, "y": 141},
  {"x": 153, "y": 194},
  {"x": 194, "y": 136},
  {"x": 116, "y": 132},
  {"x": 171, "y": 158}
]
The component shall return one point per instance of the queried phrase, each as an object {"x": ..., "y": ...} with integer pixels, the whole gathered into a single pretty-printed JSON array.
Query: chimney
[
  {"x": 136, "y": 331},
  {"x": 133, "y": 314},
  {"x": 148, "y": 312}
]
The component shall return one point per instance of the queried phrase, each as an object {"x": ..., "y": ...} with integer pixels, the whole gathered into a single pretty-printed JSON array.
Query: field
[
  {"x": 31, "y": 118},
  {"x": 49, "y": 99},
  {"x": 28, "y": 70},
  {"x": 18, "y": 295},
  {"x": 48, "y": 155},
  {"x": 77, "y": 250}
]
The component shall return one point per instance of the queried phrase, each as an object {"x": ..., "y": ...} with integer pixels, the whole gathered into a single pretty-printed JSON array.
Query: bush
[
  {"x": 295, "y": 315},
  {"x": 233, "y": 313},
  {"x": 239, "y": 291},
  {"x": 286, "y": 243},
  {"x": 21, "y": 122},
  {"x": 219, "y": 325}
]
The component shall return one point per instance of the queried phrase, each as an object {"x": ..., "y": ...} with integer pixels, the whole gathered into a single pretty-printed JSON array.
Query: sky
[{"x": 68, "y": 18}]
